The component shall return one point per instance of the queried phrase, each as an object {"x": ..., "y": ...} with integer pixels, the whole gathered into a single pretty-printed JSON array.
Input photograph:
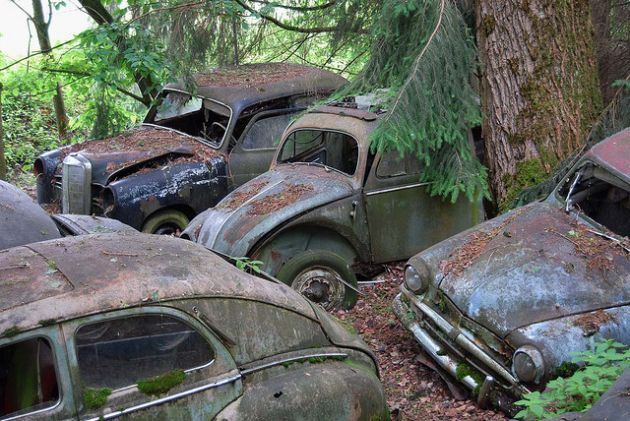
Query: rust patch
[
  {"x": 241, "y": 196},
  {"x": 277, "y": 201},
  {"x": 474, "y": 246},
  {"x": 591, "y": 322},
  {"x": 252, "y": 75}
]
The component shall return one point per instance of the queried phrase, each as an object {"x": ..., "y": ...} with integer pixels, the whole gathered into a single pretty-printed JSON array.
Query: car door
[
  {"x": 402, "y": 218},
  {"x": 34, "y": 376},
  {"x": 254, "y": 150},
  {"x": 154, "y": 362}
]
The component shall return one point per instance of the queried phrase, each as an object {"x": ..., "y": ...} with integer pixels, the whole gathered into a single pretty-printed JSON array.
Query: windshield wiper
[{"x": 567, "y": 207}]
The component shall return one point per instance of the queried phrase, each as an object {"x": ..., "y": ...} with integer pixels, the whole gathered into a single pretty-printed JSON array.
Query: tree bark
[
  {"x": 3, "y": 162},
  {"x": 539, "y": 87},
  {"x": 101, "y": 16}
]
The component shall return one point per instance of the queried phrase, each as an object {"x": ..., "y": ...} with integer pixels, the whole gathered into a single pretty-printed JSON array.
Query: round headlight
[
  {"x": 417, "y": 281},
  {"x": 528, "y": 364}
]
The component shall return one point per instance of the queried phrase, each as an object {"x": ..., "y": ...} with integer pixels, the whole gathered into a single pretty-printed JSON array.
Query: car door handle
[{"x": 353, "y": 212}]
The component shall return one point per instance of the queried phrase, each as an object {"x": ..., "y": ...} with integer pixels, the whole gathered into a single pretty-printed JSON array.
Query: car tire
[
  {"x": 165, "y": 222},
  {"x": 316, "y": 274}
]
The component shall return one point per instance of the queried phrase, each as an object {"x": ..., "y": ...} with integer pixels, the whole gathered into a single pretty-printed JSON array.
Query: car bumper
[{"x": 449, "y": 347}]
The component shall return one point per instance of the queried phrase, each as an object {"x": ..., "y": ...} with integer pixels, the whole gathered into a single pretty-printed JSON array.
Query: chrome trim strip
[
  {"x": 165, "y": 399},
  {"x": 462, "y": 340},
  {"x": 288, "y": 360},
  {"x": 39, "y": 411},
  {"x": 408, "y": 186}
]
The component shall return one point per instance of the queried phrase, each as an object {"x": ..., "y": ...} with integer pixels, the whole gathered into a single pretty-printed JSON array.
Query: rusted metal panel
[
  {"x": 21, "y": 220},
  {"x": 250, "y": 212},
  {"x": 86, "y": 224},
  {"x": 132, "y": 270},
  {"x": 614, "y": 152}
]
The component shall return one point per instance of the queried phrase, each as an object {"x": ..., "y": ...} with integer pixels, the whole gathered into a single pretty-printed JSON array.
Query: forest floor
[{"x": 414, "y": 391}]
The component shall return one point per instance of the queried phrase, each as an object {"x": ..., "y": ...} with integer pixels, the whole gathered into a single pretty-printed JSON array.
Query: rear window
[
  {"x": 28, "y": 378},
  {"x": 332, "y": 149},
  {"x": 118, "y": 353}
]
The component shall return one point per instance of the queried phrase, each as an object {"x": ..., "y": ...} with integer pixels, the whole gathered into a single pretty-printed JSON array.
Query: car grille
[{"x": 76, "y": 182}]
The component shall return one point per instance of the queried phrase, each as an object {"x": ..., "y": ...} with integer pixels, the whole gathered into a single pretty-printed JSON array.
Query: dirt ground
[{"x": 414, "y": 392}]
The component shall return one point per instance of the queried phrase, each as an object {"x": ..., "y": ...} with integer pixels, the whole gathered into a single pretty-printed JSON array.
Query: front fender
[
  {"x": 87, "y": 224},
  {"x": 196, "y": 186}
]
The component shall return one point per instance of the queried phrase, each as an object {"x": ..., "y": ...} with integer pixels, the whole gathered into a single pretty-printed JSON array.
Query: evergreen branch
[{"x": 300, "y": 8}]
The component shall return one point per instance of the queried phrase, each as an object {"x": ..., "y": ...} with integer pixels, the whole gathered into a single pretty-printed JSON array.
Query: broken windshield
[{"x": 176, "y": 104}]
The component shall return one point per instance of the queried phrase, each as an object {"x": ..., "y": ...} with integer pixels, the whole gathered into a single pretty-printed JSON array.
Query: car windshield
[
  {"x": 193, "y": 115},
  {"x": 600, "y": 195},
  {"x": 335, "y": 150}
]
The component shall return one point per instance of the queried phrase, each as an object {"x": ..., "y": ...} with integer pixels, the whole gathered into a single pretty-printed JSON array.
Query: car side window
[
  {"x": 117, "y": 353},
  {"x": 333, "y": 149},
  {"x": 393, "y": 165},
  {"x": 28, "y": 378},
  {"x": 265, "y": 133}
]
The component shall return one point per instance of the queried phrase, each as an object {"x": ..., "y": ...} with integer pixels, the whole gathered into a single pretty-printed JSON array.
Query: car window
[
  {"x": 120, "y": 352},
  {"x": 265, "y": 133},
  {"x": 393, "y": 165},
  {"x": 176, "y": 104},
  {"x": 28, "y": 378},
  {"x": 333, "y": 149},
  {"x": 601, "y": 196}
]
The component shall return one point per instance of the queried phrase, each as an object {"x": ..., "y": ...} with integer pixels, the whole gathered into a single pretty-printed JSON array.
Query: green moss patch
[
  {"x": 10, "y": 332},
  {"x": 464, "y": 370},
  {"x": 162, "y": 383},
  {"x": 95, "y": 398}
]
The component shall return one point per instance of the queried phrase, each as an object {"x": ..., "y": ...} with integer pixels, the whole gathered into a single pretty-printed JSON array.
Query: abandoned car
[
  {"x": 197, "y": 144},
  {"x": 328, "y": 209},
  {"x": 155, "y": 327},
  {"x": 503, "y": 306},
  {"x": 22, "y": 221}
]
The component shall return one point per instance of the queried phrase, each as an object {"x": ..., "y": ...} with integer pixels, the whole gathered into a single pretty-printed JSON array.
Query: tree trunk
[
  {"x": 101, "y": 16},
  {"x": 3, "y": 162},
  {"x": 41, "y": 27},
  {"x": 539, "y": 87}
]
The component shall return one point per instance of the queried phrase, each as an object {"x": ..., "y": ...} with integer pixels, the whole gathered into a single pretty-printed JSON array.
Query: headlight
[
  {"x": 417, "y": 280},
  {"x": 528, "y": 364}
]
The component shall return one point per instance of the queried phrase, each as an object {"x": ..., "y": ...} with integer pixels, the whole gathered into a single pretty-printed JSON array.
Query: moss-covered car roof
[{"x": 76, "y": 276}]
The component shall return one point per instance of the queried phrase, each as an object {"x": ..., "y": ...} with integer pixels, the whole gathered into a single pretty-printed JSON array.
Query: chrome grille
[{"x": 76, "y": 185}]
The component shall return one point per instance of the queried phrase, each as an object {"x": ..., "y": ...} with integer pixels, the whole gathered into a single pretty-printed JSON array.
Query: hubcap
[{"x": 321, "y": 285}]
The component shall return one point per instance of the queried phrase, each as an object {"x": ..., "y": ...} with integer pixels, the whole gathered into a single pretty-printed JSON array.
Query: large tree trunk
[
  {"x": 3, "y": 162},
  {"x": 539, "y": 87},
  {"x": 41, "y": 27}
]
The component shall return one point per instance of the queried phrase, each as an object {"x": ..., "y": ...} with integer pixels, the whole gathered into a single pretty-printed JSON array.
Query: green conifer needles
[{"x": 424, "y": 53}]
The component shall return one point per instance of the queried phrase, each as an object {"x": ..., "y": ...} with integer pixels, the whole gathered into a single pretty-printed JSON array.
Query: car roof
[
  {"x": 22, "y": 221},
  {"x": 75, "y": 276},
  {"x": 241, "y": 86},
  {"x": 614, "y": 152}
]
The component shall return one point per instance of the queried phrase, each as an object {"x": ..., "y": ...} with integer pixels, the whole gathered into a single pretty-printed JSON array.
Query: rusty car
[
  {"x": 502, "y": 307},
  {"x": 22, "y": 221},
  {"x": 155, "y": 327},
  {"x": 196, "y": 144},
  {"x": 329, "y": 209}
]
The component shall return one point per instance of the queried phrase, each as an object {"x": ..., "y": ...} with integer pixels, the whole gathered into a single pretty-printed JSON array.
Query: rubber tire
[
  {"x": 152, "y": 223},
  {"x": 310, "y": 258}
]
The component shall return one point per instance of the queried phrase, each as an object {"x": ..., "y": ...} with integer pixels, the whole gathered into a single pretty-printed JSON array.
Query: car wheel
[
  {"x": 322, "y": 277},
  {"x": 166, "y": 222}
]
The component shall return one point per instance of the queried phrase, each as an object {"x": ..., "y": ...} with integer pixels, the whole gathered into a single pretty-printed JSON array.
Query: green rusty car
[
  {"x": 111, "y": 326},
  {"x": 329, "y": 209}
]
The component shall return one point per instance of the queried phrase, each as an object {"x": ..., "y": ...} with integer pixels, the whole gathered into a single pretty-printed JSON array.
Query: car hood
[
  {"x": 138, "y": 149},
  {"x": 257, "y": 207},
  {"x": 536, "y": 264}
]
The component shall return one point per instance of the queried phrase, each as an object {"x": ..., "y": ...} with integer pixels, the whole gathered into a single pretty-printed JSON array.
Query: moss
[
  {"x": 488, "y": 24},
  {"x": 528, "y": 173},
  {"x": 464, "y": 370},
  {"x": 162, "y": 383},
  {"x": 52, "y": 265},
  {"x": 10, "y": 332},
  {"x": 566, "y": 369},
  {"x": 95, "y": 398},
  {"x": 345, "y": 324},
  {"x": 47, "y": 322}
]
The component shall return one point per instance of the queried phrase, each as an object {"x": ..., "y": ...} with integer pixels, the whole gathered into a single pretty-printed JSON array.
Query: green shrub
[{"x": 600, "y": 368}]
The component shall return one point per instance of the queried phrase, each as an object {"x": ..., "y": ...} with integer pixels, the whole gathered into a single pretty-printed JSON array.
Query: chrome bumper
[{"x": 440, "y": 354}]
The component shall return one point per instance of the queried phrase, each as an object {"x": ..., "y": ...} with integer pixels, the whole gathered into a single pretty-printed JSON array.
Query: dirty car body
[
  {"x": 22, "y": 221},
  {"x": 329, "y": 209},
  {"x": 503, "y": 306},
  {"x": 195, "y": 145},
  {"x": 142, "y": 326}
]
